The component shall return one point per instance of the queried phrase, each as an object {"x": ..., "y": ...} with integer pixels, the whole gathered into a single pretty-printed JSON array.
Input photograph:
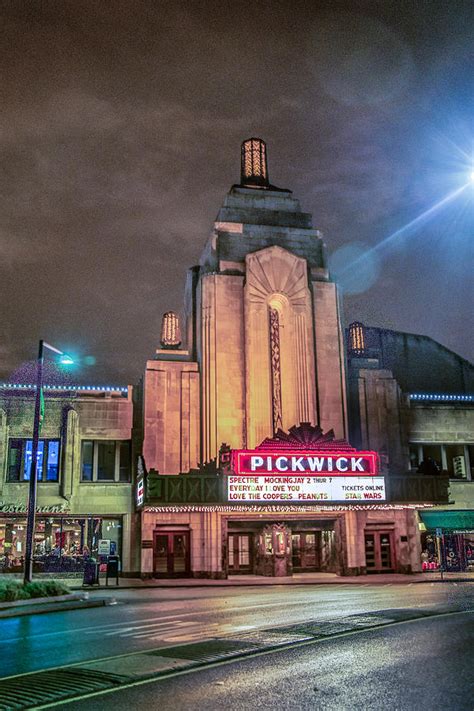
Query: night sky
[{"x": 120, "y": 132}]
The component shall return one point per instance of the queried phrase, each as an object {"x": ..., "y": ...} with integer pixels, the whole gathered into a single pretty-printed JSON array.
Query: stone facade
[
  {"x": 266, "y": 350},
  {"x": 262, "y": 254},
  {"x": 412, "y": 400},
  {"x": 94, "y": 416}
]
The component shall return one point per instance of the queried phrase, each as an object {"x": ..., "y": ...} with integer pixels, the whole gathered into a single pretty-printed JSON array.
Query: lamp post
[{"x": 30, "y": 524}]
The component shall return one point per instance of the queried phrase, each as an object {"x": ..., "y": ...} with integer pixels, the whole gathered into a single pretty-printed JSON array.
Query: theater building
[
  {"x": 257, "y": 455},
  {"x": 268, "y": 440}
]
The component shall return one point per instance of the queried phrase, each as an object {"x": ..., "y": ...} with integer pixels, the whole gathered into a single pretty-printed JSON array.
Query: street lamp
[{"x": 30, "y": 525}]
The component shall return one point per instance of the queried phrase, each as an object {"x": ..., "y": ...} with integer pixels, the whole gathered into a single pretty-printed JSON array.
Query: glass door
[
  {"x": 306, "y": 548},
  {"x": 161, "y": 556},
  {"x": 171, "y": 554},
  {"x": 240, "y": 552},
  {"x": 180, "y": 553},
  {"x": 379, "y": 552}
]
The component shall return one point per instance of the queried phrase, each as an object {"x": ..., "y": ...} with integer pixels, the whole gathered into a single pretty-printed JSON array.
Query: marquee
[{"x": 305, "y": 476}]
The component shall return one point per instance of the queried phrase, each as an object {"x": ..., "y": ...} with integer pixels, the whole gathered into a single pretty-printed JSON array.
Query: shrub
[
  {"x": 11, "y": 590},
  {"x": 45, "y": 588}
]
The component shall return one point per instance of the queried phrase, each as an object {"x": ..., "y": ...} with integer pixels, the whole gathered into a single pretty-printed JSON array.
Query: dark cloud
[{"x": 120, "y": 132}]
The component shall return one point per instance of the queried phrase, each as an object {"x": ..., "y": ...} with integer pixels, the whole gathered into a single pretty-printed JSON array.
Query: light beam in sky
[{"x": 413, "y": 224}]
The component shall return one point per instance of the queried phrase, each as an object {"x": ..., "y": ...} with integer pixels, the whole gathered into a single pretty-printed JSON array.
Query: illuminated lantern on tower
[
  {"x": 170, "y": 331},
  {"x": 253, "y": 164},
  {"x": 356, "y": 339}
]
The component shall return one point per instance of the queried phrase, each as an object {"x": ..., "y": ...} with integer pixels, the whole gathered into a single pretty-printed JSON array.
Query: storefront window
[
  {"x": 432, "y": 452},
  {"x": 61, "y": 544},
  {"x": 469, "y": 551},
  {"x": 20, "y": 458},
  {"x": 453, "y": 551},
  {"x": 105, "y": 461},
  {"x": 87, "y": 460},
  {"x": 455, "y": 461},
  {"x": 124, "y": 461},
  {"x": 414, "y": 456}
]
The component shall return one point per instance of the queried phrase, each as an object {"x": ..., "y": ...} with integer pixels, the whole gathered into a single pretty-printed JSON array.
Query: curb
[
  {"x": 41, "y": 600},
  {"x": 42, "y": 605},
  {"x": 218, "y": 584}
]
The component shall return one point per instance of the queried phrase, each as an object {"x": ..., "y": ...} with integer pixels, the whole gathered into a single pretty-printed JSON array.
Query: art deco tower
[{"x": 265, "y": 346}]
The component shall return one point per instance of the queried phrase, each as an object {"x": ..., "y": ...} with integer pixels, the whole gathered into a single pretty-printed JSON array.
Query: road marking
[
  {"x": 219, "y": 662},
  {"x": 184, "y": 638},
  {"x": 100, "y": 629},
  {"x": 137, "y": 627},
  {"x": 155, "y": 632}
]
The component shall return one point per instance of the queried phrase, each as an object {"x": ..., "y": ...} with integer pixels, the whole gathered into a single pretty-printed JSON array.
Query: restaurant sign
[
  {"x": 304, "y": 476},
  {"x": 22, "y": 508}
]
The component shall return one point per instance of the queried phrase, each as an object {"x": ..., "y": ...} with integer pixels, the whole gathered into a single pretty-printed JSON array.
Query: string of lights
[
  {"x": 282, "y": 509},
  {"x": 447, "y": 398},
  {"x": 95, "y": 388}
]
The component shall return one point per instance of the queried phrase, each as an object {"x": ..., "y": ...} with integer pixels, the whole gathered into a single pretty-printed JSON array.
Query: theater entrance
[
  {"x": 379, "y": 554},
  {"x": 171, "y": 554},
  {"x": 279, "y": 549},
  {"x": 306, "y": 550}
]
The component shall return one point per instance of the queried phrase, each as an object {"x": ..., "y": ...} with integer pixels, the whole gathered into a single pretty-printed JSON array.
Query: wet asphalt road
[
  {"x": 424, "y": 665},
  {"x": 147, "y": 619}
]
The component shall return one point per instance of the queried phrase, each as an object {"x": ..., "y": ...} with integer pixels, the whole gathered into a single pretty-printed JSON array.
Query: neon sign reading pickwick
[
  {"x": 285, "y": 475},
  {"x": 343, "y": 463}
]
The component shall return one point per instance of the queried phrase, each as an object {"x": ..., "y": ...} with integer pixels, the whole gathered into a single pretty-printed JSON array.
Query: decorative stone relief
[
  {"x": 279, "y": 350},
  {"x": 276, "y": 367}
]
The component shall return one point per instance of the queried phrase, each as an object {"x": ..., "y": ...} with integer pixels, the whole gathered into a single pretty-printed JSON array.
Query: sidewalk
[
  {"x": 296, "y": 579},
  {"x": 71, "y": 602}
]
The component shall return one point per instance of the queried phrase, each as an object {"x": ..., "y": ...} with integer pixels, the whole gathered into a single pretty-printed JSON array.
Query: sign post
[{"x": 439, "y": 548}]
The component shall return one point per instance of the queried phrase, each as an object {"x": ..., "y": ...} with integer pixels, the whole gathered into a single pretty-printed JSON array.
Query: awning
[{"x": 448, "y": 520}]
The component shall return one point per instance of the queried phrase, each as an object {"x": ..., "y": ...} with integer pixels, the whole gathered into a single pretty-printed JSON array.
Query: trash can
[
  {"x": 91, "y": 573},
  {"x": 112, "y": 569}
]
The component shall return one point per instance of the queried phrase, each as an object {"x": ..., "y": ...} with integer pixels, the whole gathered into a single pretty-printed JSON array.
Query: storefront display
[{"x": 61, "y": 543}]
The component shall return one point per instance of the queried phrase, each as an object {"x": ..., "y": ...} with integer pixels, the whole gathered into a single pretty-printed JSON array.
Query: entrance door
[
  {"x": 240, "y": 552},
  {"x": 171, "y": 554},
  {"x": 379, "y": 552},
  {"x": 305, "y": 551}
]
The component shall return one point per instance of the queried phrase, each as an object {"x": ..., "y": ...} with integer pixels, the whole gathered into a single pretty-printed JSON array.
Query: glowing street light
[{"x": 39, "y": 414}]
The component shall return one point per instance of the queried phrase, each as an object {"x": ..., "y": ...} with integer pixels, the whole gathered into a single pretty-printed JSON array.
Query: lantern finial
[{"x": 170, "y": 331}]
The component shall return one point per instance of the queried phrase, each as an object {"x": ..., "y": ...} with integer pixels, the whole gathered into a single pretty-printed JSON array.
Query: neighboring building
[
  {"x": 411, "y": 399},
  {"x": 84, "y": 472},
  {"x": 264, "y": 373}
]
